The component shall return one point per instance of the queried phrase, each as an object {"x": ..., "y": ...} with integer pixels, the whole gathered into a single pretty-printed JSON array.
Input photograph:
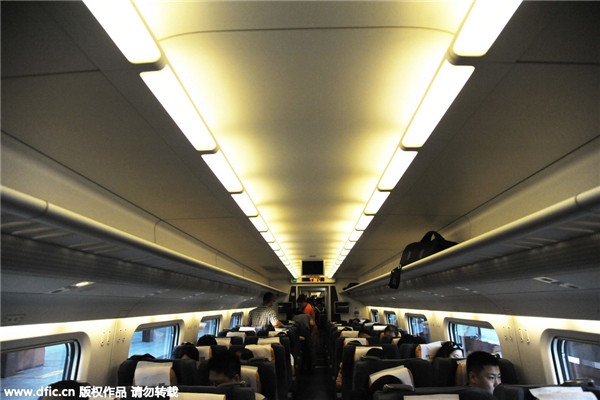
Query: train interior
[{"x": 121, "y": 236}]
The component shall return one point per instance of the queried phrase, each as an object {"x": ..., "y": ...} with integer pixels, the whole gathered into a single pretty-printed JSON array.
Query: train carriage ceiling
[{"x": 308, "y": 100}]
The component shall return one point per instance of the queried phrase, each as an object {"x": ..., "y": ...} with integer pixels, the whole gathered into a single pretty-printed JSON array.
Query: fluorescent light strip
[
  {"x": 223, "y": 171},
  {"x": 485, "y": 22},
  {"x": 269, "y": 238},
  {"x": 245, "y": 203},
  {"x": 173, "y": 97},
  {"x": 355, "y": 235},
  {"x": 398, "y": 165},
  {"x": 375, "y": 202},
  {"x": 446, "y": 85},
  {"x": 259, "y": 223},
  {"x": 363, "y": 222},
  {"x": 349, "y": 245},
  {"x": 126, "y": 28}
]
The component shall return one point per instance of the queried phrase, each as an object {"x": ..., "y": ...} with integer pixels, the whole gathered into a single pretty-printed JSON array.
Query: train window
[
  {"x": 29, "y": 370},
  {"x": 390, "y": 318},
  {"x": 474, "y": 336},
  {"x": 209, "y": 325},
  {"x": 236, "y": 319},
  {"x": 157, "y": 341},
  {"x": 375, "y": 315},
  {"x": 418, "y": 326},
  {"x": 576, "y": 359}
]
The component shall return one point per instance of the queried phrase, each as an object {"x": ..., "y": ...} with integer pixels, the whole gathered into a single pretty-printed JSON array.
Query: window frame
[
  {"x": 176, "y": 325},
  {"x": 375, "y": 315},
  {"x": 236, "y": 315},
  {"x": 387, "y": 314},
  {"x": 559, "y": 366},
  {"x": 409, "y": 317},
  {"x": 73, "y": 355},
  {"x": 217, "y": 317},
  {"x": 449, "y": 322}
]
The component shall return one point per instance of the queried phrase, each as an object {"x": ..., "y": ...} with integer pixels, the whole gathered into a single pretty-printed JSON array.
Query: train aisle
[{"x": 317, "y": 385}]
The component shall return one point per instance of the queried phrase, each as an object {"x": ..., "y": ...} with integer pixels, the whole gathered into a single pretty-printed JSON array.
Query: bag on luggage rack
[{"x": 431, "y": 243}]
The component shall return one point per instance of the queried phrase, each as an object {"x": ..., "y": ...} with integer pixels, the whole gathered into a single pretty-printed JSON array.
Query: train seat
[
  {"x": 275, "y": 354},
  {"x": 231, "y": 391},
  {"x": 250, "y": 375},
  {"x": 456, "y": 392},
  {"x": 421, "y": 373},
  {"x": 444, "y": 371},
  {"x": 352, "y": 353},
  {"x": 184, "y": 370},
  {"x": 228, "y": 341},
  {"x": 267, "y": 376},
  {"x": 506, "y": 391},
  {"x": 407, "y": 350},
  {"x": 427, "y": 351},
  {"x": 206, "y": 352}
]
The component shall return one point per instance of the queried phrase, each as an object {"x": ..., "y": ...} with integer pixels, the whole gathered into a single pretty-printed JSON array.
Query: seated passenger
[
  {"x": 483, "y": 371},
  {"x": 206, "y": 340},
  {"x": 187, "y": 351},
  {"x": 364, "y": 334},
  {"x": 225, "y": 369},
  {"x": 390, "y": 330},
  {"x": 244, "y": 354}
]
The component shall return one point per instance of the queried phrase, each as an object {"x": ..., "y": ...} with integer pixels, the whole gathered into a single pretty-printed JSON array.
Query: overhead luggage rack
[
  {"x": 24, "y": 216},
  {"x": 575, "y": 221}
]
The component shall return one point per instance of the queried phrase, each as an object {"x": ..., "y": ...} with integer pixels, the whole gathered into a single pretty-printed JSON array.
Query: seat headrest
[
  {"x": 349, "y": 334},
  {"x": 268, "y": 340},
  {"x": 362, "y": 341},
  {"x": 233, "y": 334},
  {"x": 204, "y": 353},
  {"x": 428, "y": 351},
  {"x": 561, "y": 392},
  {"x": 262, "y": 351},
  {"x": 251, "y": 377},
  {"x": 361, "y": 351},
  {"x": 224, "y": 341},
  {"x": 401, "y": 373},
  {"x": 148, "y": 373}
]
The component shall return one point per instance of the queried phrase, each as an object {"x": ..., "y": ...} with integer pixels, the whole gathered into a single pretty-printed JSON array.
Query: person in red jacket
[{"x": 306, "y": 308}]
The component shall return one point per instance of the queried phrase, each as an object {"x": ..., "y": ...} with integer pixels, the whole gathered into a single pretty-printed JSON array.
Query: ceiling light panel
[
  {"x": 173, "y": 97},
  {"x": 121, "y": 21},
  {"x": 485, "y": 22},
  {"x": 310, "y": 163}
]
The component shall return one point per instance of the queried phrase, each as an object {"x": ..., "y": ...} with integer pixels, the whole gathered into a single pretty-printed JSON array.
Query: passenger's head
[
  {"x": 390, "y": 330},
  {"x": 483, "y": 370},
  {"x": 363, "y": 334},
  {"x": 244, "y": 354},
  {"x": 206, "y": 340},
  {"x": 302, "y": 300},
  {"x": 224, "y": 368},
  {"x": 268, "y": 299},
  {"x": 185, "y": 351}
]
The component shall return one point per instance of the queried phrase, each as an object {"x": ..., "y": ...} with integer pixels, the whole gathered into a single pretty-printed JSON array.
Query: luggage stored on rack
[{"x": 431, "y": 243}]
